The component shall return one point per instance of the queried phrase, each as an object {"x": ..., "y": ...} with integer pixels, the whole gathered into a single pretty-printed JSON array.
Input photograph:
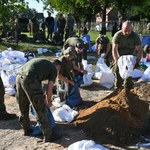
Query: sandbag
[
  {"x": 126, "y": 65},
  {"x": 86, "y": 145},
  {"x": 64, "y": 114},
  {"x": 74, "y": 98}
]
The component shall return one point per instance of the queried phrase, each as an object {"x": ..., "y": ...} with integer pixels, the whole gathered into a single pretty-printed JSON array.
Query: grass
[{"x": 33, "y": 46}]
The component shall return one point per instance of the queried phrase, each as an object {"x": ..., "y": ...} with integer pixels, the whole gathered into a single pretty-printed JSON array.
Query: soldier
[
  {"x": 4, "y": 115},
  {"x": 50, "y": 26},
  {"x": 61, "y": 23},
  {"x": 103, "y": 46},
  {"x": 125, "y": 42},
  {"x": 29, "y": 90}
]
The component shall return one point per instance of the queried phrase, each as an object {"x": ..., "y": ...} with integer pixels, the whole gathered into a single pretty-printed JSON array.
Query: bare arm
[
  {"x": 115, "y": 53},
  {"x": 139, "y": 51},
  {"x": 49, "y": 93},
  {"x": 79, "y": 70},
  {"x": 65, "y": 79},
  {"x": 108, "y": 49},
  {"x": 96, "y": 49}
]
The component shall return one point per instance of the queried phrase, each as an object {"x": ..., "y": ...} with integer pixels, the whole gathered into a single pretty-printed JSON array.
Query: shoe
[
  {"x": 52, "y": 138},
  {"x": 7, "y": 116},
  {"x": 28, "y": 132}
]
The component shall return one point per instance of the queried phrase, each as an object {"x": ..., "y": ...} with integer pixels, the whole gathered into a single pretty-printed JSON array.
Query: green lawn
[
  {"x": 33, "y": 46},
  {"x": 95, "y": 34}
]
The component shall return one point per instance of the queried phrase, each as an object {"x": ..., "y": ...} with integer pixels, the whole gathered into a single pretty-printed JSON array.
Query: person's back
[
  {"x": 38, "y": 67},
  {"x": 72, "y": 41}
]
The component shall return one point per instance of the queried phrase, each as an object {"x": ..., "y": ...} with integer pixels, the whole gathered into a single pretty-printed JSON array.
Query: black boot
[
  {"x": 7, "y": 116},
  {"x": 53, "y": 137}
]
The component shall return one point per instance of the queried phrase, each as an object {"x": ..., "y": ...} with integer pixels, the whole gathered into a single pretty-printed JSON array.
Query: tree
[
  {"x": 87, "y": 9},
  {"x": 12, "y": 8}
]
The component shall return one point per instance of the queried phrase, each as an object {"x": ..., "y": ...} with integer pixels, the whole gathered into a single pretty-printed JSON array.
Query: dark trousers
[
  {"x": 30, "y": 91},
  {"x": 119, "y": 82},
  {"x": 2, "y": 93}
]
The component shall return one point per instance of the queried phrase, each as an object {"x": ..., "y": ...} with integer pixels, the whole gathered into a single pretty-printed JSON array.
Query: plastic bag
[
  {"x": 74, "y": 98},
  {"x": 126, "y": 65},
  {"x": 64, "y": 114},
  {"x": 86, "y": 145},
  {"x": 87, "y": 80}
]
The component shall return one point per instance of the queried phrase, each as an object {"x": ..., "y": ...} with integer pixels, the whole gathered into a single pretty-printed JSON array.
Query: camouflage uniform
[
  {"x": 72, "y": 42},
  {"x": 66, "y": 71},
  {"x": 29, "y": 90},
  {"x": 126, "y": 46},
  {"x": 102, "y": 43},
  {"x": 2, "y": 92}
]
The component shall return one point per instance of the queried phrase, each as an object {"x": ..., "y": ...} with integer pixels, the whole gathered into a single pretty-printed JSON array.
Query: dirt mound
[
  {"x": 114, "y": 120},
  {"x": 144, "y": 91}
]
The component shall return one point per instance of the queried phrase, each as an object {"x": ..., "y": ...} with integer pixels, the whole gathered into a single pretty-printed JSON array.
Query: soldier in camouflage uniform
[
  {"x": 29, "y": 90},
  {"x": 79, "y": 50},
  {"x": 3, "y": 113},
  {"x": 125, "y": 42},
  {"x": 103, "y": 46}
]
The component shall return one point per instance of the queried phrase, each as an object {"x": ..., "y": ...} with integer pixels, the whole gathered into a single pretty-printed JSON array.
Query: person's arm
[
  {"x": 96, "y": 46},
  {"x": 108, "y": 49},
  {"x": 79, "y": 70},
  {"x": 65, "y": 79},
  {"x": 115, "y": 53},
  {"x": 49, "y": 93},
  {"x": 139, "y": 51}
]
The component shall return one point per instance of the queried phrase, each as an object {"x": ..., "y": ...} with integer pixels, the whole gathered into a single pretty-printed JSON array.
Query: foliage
[{"x": 88, "y": 8}]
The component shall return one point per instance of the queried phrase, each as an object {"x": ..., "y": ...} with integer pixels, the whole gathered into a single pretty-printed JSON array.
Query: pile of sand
[{"x": 114, "y": 120}]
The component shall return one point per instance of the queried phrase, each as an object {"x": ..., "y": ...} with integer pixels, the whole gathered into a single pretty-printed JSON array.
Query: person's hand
[
  {"x": 72, "y": 83},
  {"x": 48, "y": 103}
]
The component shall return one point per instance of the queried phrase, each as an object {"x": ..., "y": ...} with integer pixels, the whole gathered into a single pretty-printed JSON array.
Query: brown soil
[
  {"x": 116, "y": 119},
  {"x": 111, "y": 120}
]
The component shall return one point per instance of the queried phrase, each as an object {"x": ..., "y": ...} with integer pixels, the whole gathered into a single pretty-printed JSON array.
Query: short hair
[
  {"x": 80, "y": 45},
  {"x": 57, "y": 62}
]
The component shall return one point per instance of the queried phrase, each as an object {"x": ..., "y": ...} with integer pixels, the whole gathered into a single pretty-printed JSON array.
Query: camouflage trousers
[
  {"x": 119, "y": 82},
  {"x": 2, "y": 92},
  {"x": 29, "y": 91}
]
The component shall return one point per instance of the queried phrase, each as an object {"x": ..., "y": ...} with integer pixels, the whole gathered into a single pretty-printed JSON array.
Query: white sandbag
[
  {"x": 146, "y": 75},
  {"x": 136, "y": 73},
  {"x": 17, "y": 54},
  {"x": 40, "y": 50},
  {"x": 126, "y": 65},
  {"x": 106, "y": 79},
  {"x": 87, "y": 67},
  {"x": 10, "y": 91},
  {"x": 13, "y": 57},
  {"x": 64, "y": 114},
  {"x": 5, "y": 66},
  {"x": 87, "y": 80},
  {"x": 86, "y": 145},
  {"x": 104, "y": 74},
  {"x": 57, "y": 102},
  {"x": 147, "y": 64},
  {"x": 99, "y": 61},
  {"x": 9, "y": 80}
]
